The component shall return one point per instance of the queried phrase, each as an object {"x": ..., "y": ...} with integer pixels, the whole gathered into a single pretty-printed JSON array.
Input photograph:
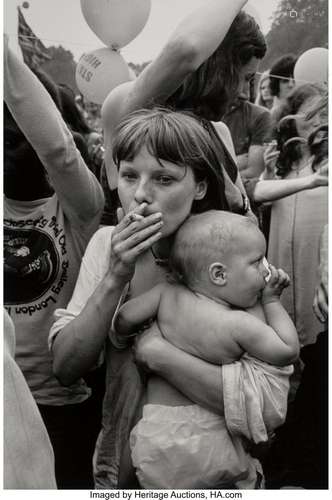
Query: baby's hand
[{"x": 277, "y": 282}]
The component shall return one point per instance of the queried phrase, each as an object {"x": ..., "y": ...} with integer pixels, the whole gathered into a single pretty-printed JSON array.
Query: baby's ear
[{"x": 218, "y": 274}]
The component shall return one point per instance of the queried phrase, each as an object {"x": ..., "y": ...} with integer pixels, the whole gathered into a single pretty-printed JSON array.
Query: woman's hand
[
  {"x": 133, "y": 235},
  {"x": 321, "y": 176},
  {"x": 147, "y": 346}
]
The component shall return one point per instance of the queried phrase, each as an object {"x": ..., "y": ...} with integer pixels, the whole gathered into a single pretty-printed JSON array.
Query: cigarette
[{"x": 134, "y": 217}]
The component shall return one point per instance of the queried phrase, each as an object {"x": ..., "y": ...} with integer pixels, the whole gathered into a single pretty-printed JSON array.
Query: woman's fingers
[
  {"x": 119, "y": 214},
  {"x": 139, "y": 223},
  {"x": 122, "y": 243},
  {"x": 125, "y": 220}
]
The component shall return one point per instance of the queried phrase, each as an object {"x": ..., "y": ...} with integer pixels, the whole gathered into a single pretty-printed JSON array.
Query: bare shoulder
[{"x": 239, "y": 320}]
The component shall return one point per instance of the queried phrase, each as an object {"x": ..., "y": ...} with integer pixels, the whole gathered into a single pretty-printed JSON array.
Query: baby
[{"x": 220, "y": 274}]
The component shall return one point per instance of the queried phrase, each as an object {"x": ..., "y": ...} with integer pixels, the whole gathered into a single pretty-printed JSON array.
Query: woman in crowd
[
  {"x": 82, "y": 329},
  {"x": 297, "y": 221},
  {"x": 264, "y": 97},
  {"x": 209, "y": 57},
  {"x": 168, "y": 168}
]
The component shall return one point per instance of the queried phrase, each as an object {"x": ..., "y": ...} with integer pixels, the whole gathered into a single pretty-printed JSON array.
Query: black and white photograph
[{"x": 165, "y": 249}]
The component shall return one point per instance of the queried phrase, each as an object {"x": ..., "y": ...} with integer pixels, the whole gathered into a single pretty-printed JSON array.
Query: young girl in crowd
[
  {"x": 264, "y": 97},
  {"x": 219, "y": 274}
]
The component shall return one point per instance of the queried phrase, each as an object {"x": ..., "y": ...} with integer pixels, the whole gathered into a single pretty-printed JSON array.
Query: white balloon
[
  {"x": 312, "y": 66},
  {"x": 100, "y": 71},
  {"x": 116, "y": 22}
]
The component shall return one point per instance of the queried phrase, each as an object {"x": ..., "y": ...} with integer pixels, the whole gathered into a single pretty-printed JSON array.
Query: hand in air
[
  {"x": 133, "y": 236},
  {"x": 276, "y": 284},
  {"x": 321, "y": 176}
]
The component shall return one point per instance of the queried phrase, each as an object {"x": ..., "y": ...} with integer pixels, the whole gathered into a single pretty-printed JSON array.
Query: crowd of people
[{"x": 165, "y": 273}]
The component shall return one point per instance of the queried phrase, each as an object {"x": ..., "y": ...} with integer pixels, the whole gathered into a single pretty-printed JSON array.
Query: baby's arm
[
  {"x": 277, "y": 341},
  {"x": 138, "y": 311}
]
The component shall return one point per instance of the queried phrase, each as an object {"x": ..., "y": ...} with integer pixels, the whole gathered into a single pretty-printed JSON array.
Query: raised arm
[
  {"x": 40, "y": 121},
  {"x": 192, "y": 42}
]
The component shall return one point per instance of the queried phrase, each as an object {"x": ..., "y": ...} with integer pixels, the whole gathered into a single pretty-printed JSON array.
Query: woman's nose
[{"x": 143, "y": 192}]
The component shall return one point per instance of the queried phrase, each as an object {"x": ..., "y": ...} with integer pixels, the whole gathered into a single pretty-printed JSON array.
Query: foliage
[
  {"x": 61, "y": 67},
  {"x": 297, "y": 26}
]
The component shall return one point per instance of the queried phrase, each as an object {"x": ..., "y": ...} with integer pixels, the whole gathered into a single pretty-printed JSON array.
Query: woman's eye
[
  {"x": 129, "y": 176},
  {"x": 164, "y": 179}
]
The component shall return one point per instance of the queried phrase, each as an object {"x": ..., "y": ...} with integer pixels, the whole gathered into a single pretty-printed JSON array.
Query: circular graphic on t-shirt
[{"x": 31, "y": 263}]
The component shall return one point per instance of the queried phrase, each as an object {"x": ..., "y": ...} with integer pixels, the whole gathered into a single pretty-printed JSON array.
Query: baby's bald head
[{"x": 206, "y": 238}]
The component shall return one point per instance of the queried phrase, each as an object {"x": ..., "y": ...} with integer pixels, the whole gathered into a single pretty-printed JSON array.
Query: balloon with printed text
[
  {"x": 312, "y": 66},
  {"x": 116, "y": 22},
  {"x": 100, "y": 71}
]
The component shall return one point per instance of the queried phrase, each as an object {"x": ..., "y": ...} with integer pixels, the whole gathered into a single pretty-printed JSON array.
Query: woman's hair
[
  {"x": 259, "y": 99},
  {"x": 177, "y": 137},
  {"x": 70, "y": 112},
  {"x": 286, "y": 127},
  {"x": 284, "y": 67},
  {"x": 209, "y": 90}
]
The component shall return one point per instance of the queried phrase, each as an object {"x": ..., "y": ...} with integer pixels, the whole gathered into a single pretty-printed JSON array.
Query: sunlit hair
[
  {"x": 213, "y": 86},
  {"x": 203, "y": 239},
  {"x": 176, "y": 137},
  {"x": 259, "y": 99},
  {"x": 291, "y": 150}
]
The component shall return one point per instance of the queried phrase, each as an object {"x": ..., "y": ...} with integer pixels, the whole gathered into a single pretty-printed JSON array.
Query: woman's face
[
  {"x": 286, "y": 86},
  {"x": 265, "y": 90},
  {"x": 306, "y": 127},
  {"x": 246, "y": 74},
  {"x": 167, "y": 188}
]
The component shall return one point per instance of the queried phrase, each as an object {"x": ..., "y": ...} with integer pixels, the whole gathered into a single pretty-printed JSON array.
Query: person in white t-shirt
[{"x": 52, "y": 207}]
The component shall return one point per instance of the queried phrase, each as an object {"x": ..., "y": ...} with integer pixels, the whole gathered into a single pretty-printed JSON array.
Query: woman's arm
[
  {"x": 196, "y": 379},
  {"x": 271, "y": 190},
  {"x": 192, "y": 42},
  {"x": 77, "y": 345},
  {"x": 39, "y": 119}
]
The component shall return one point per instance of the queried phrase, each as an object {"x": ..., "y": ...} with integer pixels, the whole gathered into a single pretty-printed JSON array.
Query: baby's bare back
[{"x": 198, "y": 325}]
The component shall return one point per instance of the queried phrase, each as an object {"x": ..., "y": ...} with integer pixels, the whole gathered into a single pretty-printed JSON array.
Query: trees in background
[{"x": 297, "y": 26}]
